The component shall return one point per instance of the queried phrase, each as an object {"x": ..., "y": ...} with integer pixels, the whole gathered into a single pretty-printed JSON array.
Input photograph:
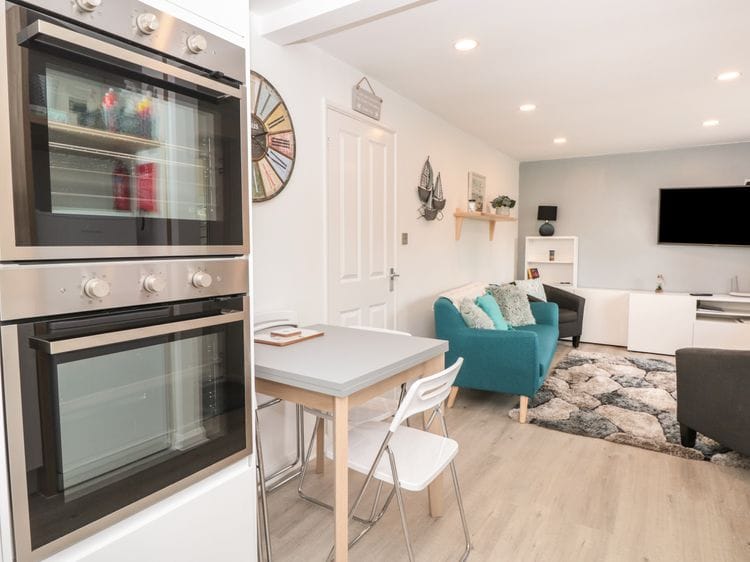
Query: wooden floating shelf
[{"x": 490, "y": 218}]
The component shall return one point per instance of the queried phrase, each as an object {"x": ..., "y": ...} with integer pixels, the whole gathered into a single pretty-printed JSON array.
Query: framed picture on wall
[{"x": 477, "y": 189}]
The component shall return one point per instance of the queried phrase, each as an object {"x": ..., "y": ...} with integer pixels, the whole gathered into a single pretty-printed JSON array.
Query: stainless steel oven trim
[
  {"x": 44, "y": 28},
  {"x": 17, "y": 460},
  {"x": 57, "y": 347},
  {"x": 10, "y": 252}
]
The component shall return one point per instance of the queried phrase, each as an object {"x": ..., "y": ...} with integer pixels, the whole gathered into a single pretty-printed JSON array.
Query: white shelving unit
[{"x": 563, "y": 270}]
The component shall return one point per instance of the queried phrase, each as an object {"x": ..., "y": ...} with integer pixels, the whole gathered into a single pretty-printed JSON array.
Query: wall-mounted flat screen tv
[{"x": 705, "y": 215}]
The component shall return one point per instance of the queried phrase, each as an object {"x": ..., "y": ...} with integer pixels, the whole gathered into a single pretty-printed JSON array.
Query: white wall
[
  {"x": 289, "y": 231},
  {"x": 612, "y": 204}
]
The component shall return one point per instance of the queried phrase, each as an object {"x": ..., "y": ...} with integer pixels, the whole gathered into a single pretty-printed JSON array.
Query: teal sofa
[{"x": 515, "y": 361}]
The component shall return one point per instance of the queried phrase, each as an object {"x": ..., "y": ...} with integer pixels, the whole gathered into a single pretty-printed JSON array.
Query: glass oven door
[
  {"x": 116, "y": 153},
  {"x": 119, "y": 407}
]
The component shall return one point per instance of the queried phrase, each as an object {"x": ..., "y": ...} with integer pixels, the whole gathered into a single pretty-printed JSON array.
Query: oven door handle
[
  {"x": 56, "y": 347},
  {"x": 75, "y": 42}
]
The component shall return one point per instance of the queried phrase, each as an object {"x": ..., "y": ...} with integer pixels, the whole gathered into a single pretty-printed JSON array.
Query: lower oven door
[{"x": 111, "y": 409}]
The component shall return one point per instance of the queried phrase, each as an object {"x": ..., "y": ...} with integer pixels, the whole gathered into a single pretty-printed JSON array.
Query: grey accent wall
[{"x": 611, "y": 203}]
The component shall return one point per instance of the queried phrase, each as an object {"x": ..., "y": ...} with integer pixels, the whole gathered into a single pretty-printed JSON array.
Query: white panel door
[{"x": 361, "y": 222}]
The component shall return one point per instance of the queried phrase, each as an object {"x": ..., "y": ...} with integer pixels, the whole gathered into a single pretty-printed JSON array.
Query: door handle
[
  {"x": 392, "y": 276},
  {"x": 110, "y": 338},
  {"x": 71, "y": 41}
]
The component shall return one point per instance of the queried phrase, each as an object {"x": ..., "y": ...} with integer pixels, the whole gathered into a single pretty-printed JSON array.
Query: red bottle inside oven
[
  {"x": 146, "y": 190},
  {"x": 121, "y": 186}
]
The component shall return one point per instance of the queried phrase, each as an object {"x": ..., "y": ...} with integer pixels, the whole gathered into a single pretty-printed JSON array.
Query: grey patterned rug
[{"x": 628, "y": 400}]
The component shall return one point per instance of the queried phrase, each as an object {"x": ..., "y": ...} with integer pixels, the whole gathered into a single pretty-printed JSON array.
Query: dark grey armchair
[
  {"x": 571, "y": 312},
  {"x": 713, "y": 396}
]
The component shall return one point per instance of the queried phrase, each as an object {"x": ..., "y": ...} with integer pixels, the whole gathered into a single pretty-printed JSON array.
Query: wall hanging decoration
[
  {"x": 273, "y": 144},
  {"x": 366, "y": 102},
  {"x": 430, "y": 194},
  {"x": 477, "y": 189}
]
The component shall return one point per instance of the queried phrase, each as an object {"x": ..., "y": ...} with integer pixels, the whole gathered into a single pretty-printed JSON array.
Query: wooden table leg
[
  {"x": 341, "y": 495},
  {"x": 320, "y": 448},
  {"x": 435, "y": 490}
]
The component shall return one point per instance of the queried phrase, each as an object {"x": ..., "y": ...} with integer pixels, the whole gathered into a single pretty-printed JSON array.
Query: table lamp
[{"x": 546, "y": 213}]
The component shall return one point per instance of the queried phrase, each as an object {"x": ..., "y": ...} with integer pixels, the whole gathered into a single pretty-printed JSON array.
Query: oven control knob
[
  {"x": 88, "y": 5},
  {"x": 147, "y": 23},
  {"x": 96, "y": 288},
  {"x": 202, "y": 280},
  {"x": 197, "y": 43},
  {"x": 154, "y": 284}
]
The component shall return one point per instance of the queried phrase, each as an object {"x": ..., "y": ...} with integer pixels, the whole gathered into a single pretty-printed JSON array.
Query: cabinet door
[
  {"x": 721, "y": 333},
  {"x": 605, "y": 316},
  {"x": 660, "y": 323}
]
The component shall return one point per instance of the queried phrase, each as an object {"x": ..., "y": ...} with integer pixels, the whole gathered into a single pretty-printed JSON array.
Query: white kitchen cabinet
[{"x": 211, "y": 520}]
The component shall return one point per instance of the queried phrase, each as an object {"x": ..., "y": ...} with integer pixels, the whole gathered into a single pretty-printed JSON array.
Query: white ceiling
[
  {"x": 609, "y": 75},
  {"x": 262, "y": 7}
]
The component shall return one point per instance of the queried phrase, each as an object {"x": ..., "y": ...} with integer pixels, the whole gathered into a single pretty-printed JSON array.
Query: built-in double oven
[{"x": 124, "y": 289}]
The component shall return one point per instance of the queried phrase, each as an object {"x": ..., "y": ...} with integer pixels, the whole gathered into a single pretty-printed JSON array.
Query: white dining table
[{"x": 337, "y": 371}]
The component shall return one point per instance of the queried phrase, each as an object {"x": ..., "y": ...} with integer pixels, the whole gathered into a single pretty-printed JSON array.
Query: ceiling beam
[{"x": 311, "y": 19}]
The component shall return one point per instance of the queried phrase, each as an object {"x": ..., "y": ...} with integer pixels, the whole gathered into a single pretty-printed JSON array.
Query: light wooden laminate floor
[{"x": 536, "y": 494}]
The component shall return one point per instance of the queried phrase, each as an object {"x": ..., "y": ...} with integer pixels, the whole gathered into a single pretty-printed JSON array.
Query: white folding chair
[
  {"x": 414, "y": 457},
  {"x": 377, "y": 409}
]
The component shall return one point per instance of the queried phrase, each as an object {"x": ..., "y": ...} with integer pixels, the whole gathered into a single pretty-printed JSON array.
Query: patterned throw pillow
[
  {"x": 514, "y": 304},
  {"x": 474, "y": 316},
  {"x": 489, "y": 305},
  {"x": 533, "y": 287}
]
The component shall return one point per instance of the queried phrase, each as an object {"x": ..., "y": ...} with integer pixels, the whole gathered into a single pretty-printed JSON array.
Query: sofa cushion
[
  {"x": 474, "y": 316},
  {"x": 567, "y": 315},
  {"x": 514, "y": 304},
  {"x": 533, "y": 288},
  {"x": 489, "y": 305}
]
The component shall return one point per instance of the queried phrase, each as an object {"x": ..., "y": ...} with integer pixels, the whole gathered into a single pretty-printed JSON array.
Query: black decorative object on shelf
[{"x": 546, "y": 213}]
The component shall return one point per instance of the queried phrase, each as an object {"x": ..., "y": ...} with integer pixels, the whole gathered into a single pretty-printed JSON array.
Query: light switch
[{"x": 404, "y": 238}]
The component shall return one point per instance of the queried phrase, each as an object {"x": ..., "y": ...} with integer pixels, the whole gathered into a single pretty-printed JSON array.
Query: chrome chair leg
[
  {"x": 401, "y": 506},
  {"x": 460, "y": 501},
  {"x": 263, "y": 512}
]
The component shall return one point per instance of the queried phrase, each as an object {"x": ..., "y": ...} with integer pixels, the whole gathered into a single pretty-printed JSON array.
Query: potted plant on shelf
[{"x": 503, "y": 204}]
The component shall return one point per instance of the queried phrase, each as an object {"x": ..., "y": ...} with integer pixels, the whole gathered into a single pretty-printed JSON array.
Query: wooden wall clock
[{"x": 273, "y": 145}]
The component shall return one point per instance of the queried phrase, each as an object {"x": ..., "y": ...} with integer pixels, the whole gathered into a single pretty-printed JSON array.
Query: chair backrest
[
  {"x": 383, "y": 330},
  {"x": 275, "y": 319},
  {"x": 427, "y": 393}
]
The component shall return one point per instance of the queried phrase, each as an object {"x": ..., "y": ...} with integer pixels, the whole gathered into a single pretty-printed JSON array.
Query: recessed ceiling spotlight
[
  {"x": 465, "y": 44},
  {"x": 560, "y": 140},
  {"x": 728, "y": 76},
  {"x": 710, "y": 122},
  {"x": 527, "y": 107}
]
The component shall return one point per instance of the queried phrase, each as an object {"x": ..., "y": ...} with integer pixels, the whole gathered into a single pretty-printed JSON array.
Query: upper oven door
[{"x": 113, "y": 152}]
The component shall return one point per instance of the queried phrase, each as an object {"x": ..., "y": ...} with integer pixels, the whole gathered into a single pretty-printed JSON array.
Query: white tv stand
[{"x": 665, "y": 322}]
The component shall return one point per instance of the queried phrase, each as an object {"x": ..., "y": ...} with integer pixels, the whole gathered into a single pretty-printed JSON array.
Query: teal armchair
[{"x": 515, "y": 361}]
